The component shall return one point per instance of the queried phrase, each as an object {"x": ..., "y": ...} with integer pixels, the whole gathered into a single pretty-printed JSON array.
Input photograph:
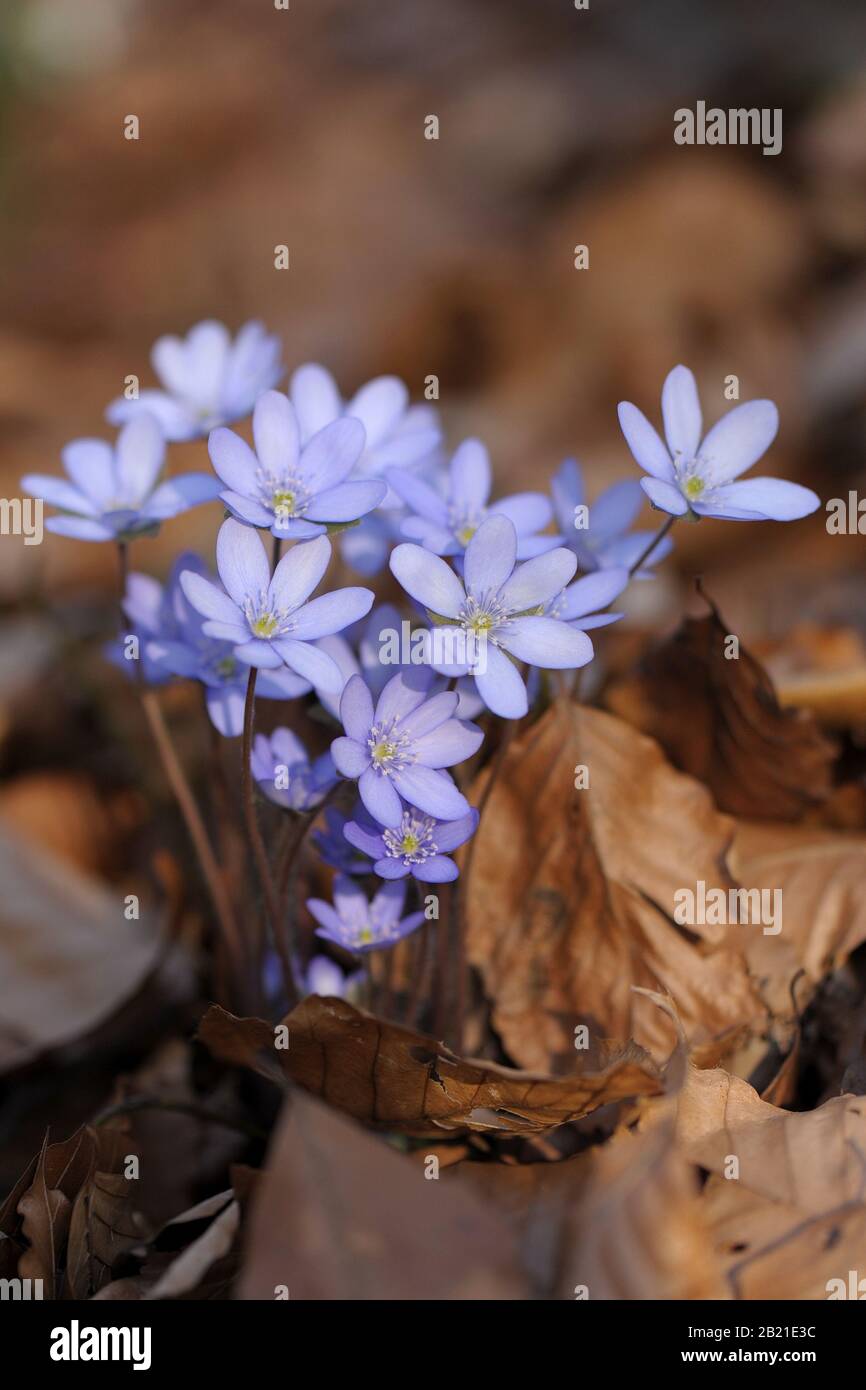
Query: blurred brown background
[{"x": 306, "y": 127}]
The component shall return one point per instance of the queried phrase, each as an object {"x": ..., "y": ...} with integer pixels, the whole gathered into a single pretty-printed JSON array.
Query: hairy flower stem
[
  {"x": 257, "y": 845},
  {"x": 656, "y": 540},
  {"x": 185, "y": 799}
]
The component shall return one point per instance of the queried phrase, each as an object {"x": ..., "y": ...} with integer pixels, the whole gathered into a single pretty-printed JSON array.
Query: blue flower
[
  {"x": 446, "y": 524},
  {"x": 208, "y": 379},
  {"x": 397, "y": 435},
  {"x": 115, "y": 494},
  {"x": 699, "y": 477},
  {"x": 334, "y": 848},
  {"x": 398, "y": 749},
  {"x": 376, "y": 635},
  {"x": 419, "y": 845},
  {"x": 498, "y": 607},
  {"x": 172, "y": 643},
  {"x": 325, "y": 977},
  {"x": 267, "y": 617},
  {"x": 606, "y": 541},
  {"x": 359, "y": 925},
  {"x": 294, "y": 489},
  {"x": 286, "y": 776},
  {"x": 579, "y": 605}
]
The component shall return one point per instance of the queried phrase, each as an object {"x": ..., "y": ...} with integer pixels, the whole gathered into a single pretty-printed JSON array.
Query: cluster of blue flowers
[{"x": 482, "y": 576}]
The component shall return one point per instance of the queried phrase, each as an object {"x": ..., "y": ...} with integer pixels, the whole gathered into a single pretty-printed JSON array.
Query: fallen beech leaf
[
  {"x": 45, "y": 1209},
  {"x": 640, "y": 1232},
  {"x": 403, "y": 1080},
  {"x": 72, "y": 1211},
  {"x": 813, "y": 1160},
  {"x": 571, "y": 894},
  {"x": 68, "y": 956},
  {"x": 104, "y": 1222},
  {"x": 718, "y": 719},
  {"x": 187, "y": 1274},
  {"x": 820, "y": 875},
  {"x": 340, "y": 1215},
  {"x": 770, "y": 1250}
]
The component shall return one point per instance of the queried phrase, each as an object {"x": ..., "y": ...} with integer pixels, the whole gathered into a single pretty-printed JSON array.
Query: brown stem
[
  {"x": 257, "y": 845},
  {"x": 183, "y": 794},
  {"x": 656, "y": 540},
  {"x": 420, "y": 967},
  {"x": 195, "y": 825}
]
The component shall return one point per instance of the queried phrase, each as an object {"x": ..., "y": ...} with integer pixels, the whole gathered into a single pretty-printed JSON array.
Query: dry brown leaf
[
  {"x": 68, "y": 956},
  {"x": 814, "y": 1160},
  {"x": 571, "y": 894},
  {"x": 771, "y": 1250},
  {"x": 402, "y": 1080},
  {"x": 205, "y": 1256},
  {"x": 718, "y": 719},
  {"x": 820, "y": 874},
  {"x": 104, "y": 1221},
  {"x": 340, "y": 1215},
  {"x": 70, "y": 1217},
  {"x": 640, "y": 1231}
]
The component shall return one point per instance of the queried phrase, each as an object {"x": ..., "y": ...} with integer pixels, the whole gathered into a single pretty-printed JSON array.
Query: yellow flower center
[
  {"x": 409, "y": 843},
  {"x": 283, "y": 501},
  {"x": 694, "y": 487},
  {"x": 266, "y": 625},
  {"x": 465, "y": 534},
  {"x": 384, "y": 750}
]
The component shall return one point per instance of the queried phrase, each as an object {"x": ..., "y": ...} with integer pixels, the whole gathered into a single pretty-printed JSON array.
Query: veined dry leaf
[
  {"x": 104, "y": 1222},
  {"x": 820, "y": 875},
  {"x": 204, "y": 1256},
  {"x": 70, "y": 1216},
  {"x": 814, "y": 1160},
  {"x": 45, "y": 1208},
  {"x": 571, "y": 894},
  {"x": 770, "y": 1250},
  {"x": 718, "y": 719},
  {"x": 68, "y": 957},
  {"x": 640, "y": 1232},
  {"x": 403, "y": 1080},
  {"x": 195, "y": 1255},
  {"x": 340, "y": 1215}
]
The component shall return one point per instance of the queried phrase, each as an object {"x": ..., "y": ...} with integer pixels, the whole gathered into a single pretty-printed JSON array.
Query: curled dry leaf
[
  {"x": 571, "y": 894},
  {"x": 773, "y": 1250},
  {"x": 718, "y": 719},
  {"x": 195, "y": 1255},
  {"x": 70, "y": 1217},
  {"x": 813, "y": 1160},
  {"x": 639, "y": 1232},
  {"x": 819, "y": 875},
  {"x": 340, "y": 1215},
  {"x": 207, "y": 1255},
  {"x": 402, "y": 1080}
]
